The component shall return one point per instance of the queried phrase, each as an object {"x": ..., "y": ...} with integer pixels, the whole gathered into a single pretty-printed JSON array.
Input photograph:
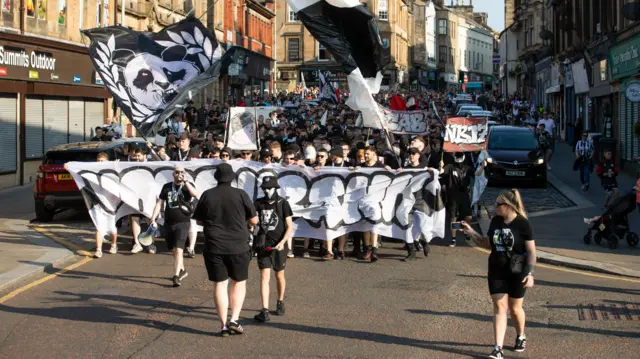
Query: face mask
[
  {"x": 269, "y": 192},
  {"x": 459, "y": 159}
]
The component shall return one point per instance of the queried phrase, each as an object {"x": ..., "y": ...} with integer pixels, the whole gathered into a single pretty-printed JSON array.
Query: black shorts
[
  {"x": 507, "y": 283},
  {"x": 459, "y": 206},
  {"x": 610, "y": 187},
  {"x": 274, "y": 259},
  {"x": 177, "y": 234},
  {"x": 221, "y": 267}
]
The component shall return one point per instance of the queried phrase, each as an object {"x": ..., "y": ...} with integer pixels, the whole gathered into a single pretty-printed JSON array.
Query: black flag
[
  {"x": 350, "y": 32},
  {"x": 148, "y": 74}
]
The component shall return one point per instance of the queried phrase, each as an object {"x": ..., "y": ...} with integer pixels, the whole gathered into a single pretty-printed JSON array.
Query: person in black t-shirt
[
  {"x": 457, "y": 178},
  {"x": 276, "y": 224},
  {"x": 509, "y": 234},
  {"x": 182, "y": 152},
  {"x": 173, "y": 196},
  {"x": 224, "y": 212}
]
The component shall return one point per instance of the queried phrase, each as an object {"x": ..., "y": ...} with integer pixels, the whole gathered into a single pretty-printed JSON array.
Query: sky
[{"x": 495, "y": 9}]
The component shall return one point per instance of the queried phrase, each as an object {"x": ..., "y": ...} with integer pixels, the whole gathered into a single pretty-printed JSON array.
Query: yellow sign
[{"x": 33, "y": 75}]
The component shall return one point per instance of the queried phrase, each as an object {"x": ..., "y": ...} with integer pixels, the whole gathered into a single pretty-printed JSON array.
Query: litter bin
[{"x": 605, "y": 143}]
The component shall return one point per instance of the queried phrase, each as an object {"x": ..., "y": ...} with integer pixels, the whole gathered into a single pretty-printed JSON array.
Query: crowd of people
[{"x": 315, "y": 136}]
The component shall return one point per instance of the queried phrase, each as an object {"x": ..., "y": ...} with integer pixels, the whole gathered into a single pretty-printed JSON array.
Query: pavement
[{"x": 557, "y": 214}]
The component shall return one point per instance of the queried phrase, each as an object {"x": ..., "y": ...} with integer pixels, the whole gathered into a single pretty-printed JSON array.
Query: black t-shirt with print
[
  {"x": 169, "y": 194},
  {"x": 378, "y": 164},
  {"x": 275, "y": 214},
  {"x": 507, "y": 237}
]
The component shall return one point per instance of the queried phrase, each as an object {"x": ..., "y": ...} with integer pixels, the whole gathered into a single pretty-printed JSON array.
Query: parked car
[
  {"x": 55, "y": 188},
  {"x": 514, "y": 156},
  {"x": 461, "y": 110}
]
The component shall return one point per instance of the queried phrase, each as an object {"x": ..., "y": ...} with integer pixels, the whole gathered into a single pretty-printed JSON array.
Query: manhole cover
[{"x": 622, "y": 311}]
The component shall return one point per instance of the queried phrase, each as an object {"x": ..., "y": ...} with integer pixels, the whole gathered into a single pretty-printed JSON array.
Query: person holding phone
[
  {"x": 173, "y": 196},
  {"x": 511, "y": 266}
]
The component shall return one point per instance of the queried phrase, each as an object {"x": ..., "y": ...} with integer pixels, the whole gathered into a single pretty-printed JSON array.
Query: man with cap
[
  {"x": 275, "y": 226},
  {"x": 265, "y": 156},
  {"x": 225, "y": 211}
]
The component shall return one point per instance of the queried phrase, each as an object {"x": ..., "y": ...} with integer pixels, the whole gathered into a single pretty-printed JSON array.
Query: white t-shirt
[{"x": 549, "y": 125}]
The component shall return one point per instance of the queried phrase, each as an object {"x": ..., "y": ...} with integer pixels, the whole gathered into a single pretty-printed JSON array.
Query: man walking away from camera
[
  {"x": 174, "y": 196},
  {"x": 276, "y": 225},
  {"x": 224, "y": 212}
]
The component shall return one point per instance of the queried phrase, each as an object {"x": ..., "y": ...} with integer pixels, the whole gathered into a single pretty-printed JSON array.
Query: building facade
[
  {"x": 510, "y": 68},
  {"x": 424, "y": 65},
  {"x": 475, "y": 54}
]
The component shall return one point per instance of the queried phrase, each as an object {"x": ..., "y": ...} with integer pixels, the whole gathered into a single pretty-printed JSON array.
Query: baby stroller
[{"x": 613, "y": 224}]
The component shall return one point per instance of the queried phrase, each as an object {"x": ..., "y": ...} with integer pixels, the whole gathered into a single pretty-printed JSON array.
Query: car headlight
[
  {"x": 489, "y": 160},
  {"x": 540, "y": 161}
]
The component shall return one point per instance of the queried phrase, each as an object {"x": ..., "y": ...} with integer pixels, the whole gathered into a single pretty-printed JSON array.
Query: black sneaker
[
  {"x": 425, "y": 248},
  {"x": 521, "y": 343},
  {"x": 453, "y": 243},
  {"x": 280, "y": 308},
  {"x": 183, "y": 274},
  {"x": 225, "y": 332},
  {"x": 176, "y": 281},
  {"x": 374, "y": 254},
  {"x": 263, "y": 316},
  {"x": 235, "y": 327},
  {"x": 496, "y": 354}
]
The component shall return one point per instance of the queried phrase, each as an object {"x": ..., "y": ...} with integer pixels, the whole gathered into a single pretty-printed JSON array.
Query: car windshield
[
  {"x": 60, "y": 158},
  {"x": 512, "y": 140}
]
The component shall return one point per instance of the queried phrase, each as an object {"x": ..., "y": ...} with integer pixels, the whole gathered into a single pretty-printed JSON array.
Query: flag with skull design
[{"x": 150, "y": 75}]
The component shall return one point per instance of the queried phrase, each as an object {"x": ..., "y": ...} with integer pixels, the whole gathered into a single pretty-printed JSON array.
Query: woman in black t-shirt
[{"x": 509, "y": 235}]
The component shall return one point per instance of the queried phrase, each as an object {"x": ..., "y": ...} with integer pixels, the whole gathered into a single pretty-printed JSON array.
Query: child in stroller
[{"x": 614, "y": 224}]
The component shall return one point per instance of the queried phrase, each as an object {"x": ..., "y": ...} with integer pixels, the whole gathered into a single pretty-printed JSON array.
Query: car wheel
[{"x": 42, "y": 213}]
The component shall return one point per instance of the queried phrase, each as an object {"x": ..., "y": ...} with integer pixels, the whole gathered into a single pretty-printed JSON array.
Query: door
[
  {"x": 8, "y": 131},
  {"x": 93, "y": 117},
  {"x": 76, "y": 121},
  {"x": 56, "y": 122},
  {"x": 33, "y": 131}
]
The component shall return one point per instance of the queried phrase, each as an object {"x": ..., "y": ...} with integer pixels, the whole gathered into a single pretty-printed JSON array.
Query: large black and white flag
[
  {"x": 327, "y": 92},
  {"x": 148, "y": 74},
  {"x": 350, "y": 32}
]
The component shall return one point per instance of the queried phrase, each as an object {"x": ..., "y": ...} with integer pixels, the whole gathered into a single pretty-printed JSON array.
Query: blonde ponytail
[{"x": 513, "y": 199}]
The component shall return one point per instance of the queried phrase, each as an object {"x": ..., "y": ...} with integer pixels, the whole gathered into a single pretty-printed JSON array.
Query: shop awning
[
  {"x": 553, "y": 89},
  {"x": 474, "y": 85}
]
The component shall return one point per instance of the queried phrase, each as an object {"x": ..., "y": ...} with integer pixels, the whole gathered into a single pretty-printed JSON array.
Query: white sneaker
[
  {"x": 137, "y": 248},
  {"x": 113, "y": 249},
  {"x": 98, "y": 253},
  {"x": 290, "y": 255}
]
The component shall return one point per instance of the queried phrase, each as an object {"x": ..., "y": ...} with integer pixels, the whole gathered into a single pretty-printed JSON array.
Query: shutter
[
  {"x": 8, "y": 130},
  {"x": 93, "y": 117},
  {"x": 33, "y": 132},
  {"x": 632, "y": 121},
  {"x": 56, "y": 122},
  {"x": 622, "y": 110},
  {"x": 628, "y": 117},
  {"x": 76, "y": 121}
]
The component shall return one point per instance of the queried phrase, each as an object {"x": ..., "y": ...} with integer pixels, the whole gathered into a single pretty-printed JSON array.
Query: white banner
[
  {"x": 407, "y": 122},
  {"x": 326, "y": 203},
  {"x": 242, "y": 129}
]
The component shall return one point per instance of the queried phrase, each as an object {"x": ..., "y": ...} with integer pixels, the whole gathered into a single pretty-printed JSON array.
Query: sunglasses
[
  {"x": 179, "y": 172},
  {"x": 224, "y": 156}
]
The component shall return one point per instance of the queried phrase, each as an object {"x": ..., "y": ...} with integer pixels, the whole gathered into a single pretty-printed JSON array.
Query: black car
[{"x": 514, "y": 156}]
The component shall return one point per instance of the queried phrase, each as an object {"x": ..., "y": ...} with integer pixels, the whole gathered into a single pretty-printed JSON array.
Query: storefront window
[
  {"x": 42, "y": 10},
  {"x": 31, "y": 8},
  {"x": 6, "y": 5}
]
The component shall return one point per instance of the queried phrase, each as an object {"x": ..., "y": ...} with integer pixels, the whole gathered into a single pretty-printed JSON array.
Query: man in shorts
[
  {"x": 224, "y": 212},
  {"x": 177, "y": 220},
  {"x": 276, "y": 225}
]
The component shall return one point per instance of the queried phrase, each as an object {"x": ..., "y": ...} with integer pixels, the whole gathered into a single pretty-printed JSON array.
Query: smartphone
[{"x": 456, "y": 225}]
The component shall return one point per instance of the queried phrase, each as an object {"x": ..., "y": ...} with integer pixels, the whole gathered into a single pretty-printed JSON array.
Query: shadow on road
[{"x": 489, "y": 319}]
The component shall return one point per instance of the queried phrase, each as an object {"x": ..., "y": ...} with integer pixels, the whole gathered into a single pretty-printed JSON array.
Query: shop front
[
  {"x": 49, "y": 95},
  {"x": 332, "y": 74},
  {"x": 623, "y": 61},
  {"x": 248, "y": 75},
  {"x": 569, "y": 105},
  {"x": 581, "y": 92}
]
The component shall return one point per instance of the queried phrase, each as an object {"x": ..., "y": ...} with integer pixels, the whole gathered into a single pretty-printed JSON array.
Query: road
[{"x": 124, "y": 307}]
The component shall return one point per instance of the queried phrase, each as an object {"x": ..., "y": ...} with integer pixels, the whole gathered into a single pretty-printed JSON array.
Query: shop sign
[
  {"x": 624, "y": 58},
  {"x": 33, "y": 74},
  {"x": 3, "y": 71},
  {"x": 76, "y": 78},
  {"x": 633, "y": 91},
  {"x": 11, "y": 56},
  {"x": 98, "y": 79},
  {"x": 54, "y": 76}
]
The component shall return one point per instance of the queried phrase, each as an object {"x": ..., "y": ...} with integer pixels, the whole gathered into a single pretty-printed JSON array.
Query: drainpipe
[
  {"x": 23, "y": 8},
  {"x": 81, "y": 14},
  {"x": 124, "y": 7},
  {"x": 274, "y": 43}
]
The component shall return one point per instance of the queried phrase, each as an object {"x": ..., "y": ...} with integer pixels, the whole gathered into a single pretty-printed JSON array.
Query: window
[
  {"x": 442, "y": 54},
  {"x": 293, "y": 49},
  {"x": 452, "y": 52},
  {"x": 603, "y": 70},
  {"x": 293, "y": 17},
  {"x": 442, "y": 26},
  {"x": 187, "y": 6},
  {"x": 62, "y": 12},
  {"x": 383, "y": 10},
  {"x": 323, "y": 53}
]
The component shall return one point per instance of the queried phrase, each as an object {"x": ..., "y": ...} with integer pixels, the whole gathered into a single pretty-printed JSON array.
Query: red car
[{"x": 55, "y": 189}]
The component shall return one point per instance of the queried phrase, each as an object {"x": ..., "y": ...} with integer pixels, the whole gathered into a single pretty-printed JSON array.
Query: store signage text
[
  {"x": 34, "y": 75},
  {"x": 633, "y": 92},
  {"x": 33, "y": 60},
  {"x": 624, "y": 59}
]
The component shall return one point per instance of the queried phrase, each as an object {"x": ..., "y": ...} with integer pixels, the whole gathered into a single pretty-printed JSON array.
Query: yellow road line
[
  {"x": 45, "y": 279},
  {"x": 568, "y": 270},
  {"x": 72, "y": 246}
]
